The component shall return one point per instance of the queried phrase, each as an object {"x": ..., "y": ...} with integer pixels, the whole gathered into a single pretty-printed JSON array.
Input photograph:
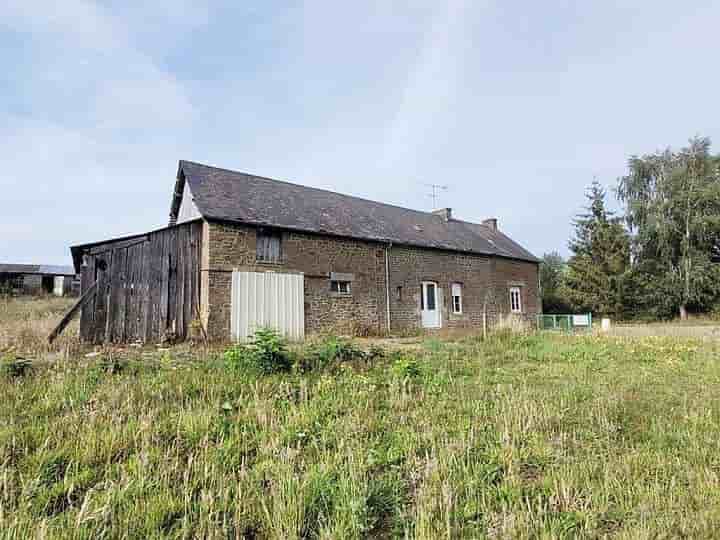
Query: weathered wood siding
[{"x": 148, "y": 287}]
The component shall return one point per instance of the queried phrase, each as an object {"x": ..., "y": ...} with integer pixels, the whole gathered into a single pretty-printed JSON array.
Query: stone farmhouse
[{"x": 243, "y": 251}]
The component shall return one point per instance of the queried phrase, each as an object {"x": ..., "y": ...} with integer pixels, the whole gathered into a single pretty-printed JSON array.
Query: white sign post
[{"x": 581, "y": 320}]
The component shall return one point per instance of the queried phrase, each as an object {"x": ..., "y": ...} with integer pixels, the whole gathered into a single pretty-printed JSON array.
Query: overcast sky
[{"x": 516, "y": 106}]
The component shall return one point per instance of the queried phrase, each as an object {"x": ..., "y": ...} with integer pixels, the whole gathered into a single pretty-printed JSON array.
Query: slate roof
[
  {"x": 45, "y": 269},
  {"x": 56, "y": 270},
  {"x": 226, "y": 195}
]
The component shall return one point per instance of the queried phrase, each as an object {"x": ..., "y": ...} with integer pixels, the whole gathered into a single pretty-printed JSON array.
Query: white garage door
[{"x": 267, "y": 300}]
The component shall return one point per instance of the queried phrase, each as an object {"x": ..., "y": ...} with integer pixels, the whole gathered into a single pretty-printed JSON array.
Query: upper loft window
[
  {"x": 268, "y": 247},
  {"x": 515, "y": 300}
]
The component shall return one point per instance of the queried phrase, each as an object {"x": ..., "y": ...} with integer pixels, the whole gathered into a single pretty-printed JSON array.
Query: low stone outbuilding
[
  {"x": 37, "y": 279},
  {"x": 243, "y": 251}
]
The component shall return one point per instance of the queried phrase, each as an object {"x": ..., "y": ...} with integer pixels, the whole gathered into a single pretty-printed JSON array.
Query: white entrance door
[{"x": 429, "y": 308}]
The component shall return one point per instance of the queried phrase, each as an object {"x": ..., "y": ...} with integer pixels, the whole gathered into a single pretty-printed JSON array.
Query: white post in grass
[
  {"x": 484, "y": 324},
  {"x": 605, "y": 325}
]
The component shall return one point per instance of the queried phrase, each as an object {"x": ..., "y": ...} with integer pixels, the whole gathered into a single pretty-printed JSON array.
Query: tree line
[{"x": 660, "y": 258}]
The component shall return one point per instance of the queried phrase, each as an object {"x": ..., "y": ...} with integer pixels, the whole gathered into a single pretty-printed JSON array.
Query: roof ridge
[
  {"x": 228, "y": 194},
  {"x": 324, "y": 190}
]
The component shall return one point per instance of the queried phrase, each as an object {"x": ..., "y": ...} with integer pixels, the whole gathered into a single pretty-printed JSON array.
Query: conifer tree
[{"x": 600, "y": 258}]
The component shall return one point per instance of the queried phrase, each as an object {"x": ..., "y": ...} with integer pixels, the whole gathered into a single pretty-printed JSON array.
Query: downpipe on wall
[{"x": 387, "y": 286}]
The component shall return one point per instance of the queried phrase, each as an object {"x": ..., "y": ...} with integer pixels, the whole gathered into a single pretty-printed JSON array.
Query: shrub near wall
[
  {"x": 266, "y": 354},
  {"x": 269, "y": 353}
]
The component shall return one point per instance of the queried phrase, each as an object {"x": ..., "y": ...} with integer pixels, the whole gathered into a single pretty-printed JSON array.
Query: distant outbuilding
[{"x": 37, "y": 279}]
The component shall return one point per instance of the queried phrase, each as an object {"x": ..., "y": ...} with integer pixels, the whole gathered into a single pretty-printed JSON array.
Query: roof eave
[
  {"x": 368, "y": 238},
  {"x": 178, "y": 192}
]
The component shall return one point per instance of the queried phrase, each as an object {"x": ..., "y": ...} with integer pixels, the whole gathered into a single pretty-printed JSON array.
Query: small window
[
  {"x": 515, "y": 300},
  {"x": 268, "y": 247},
  {"x": 340, "y": 287},
  {"x": 399, "y": 293},
  {"x": 457, "y": 298}
]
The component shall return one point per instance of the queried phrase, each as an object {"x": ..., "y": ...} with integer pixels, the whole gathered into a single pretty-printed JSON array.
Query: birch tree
[{"x": 673, "y": 210}]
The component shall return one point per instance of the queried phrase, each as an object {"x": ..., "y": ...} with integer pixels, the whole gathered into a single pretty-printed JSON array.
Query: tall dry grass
[
  {"x": 520, "y": 436},
  {"x": 514, "y": 324},
  {"x": 26, "y": 322}
]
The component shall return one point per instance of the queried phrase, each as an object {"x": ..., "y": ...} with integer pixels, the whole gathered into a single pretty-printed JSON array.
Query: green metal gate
[{"x": 566, "y": 323}]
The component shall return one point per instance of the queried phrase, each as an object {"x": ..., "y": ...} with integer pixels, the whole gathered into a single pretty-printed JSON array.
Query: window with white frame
[
  {"x": 457, "y": 298},
  {"x": 340, "y": 287},
  {"x": 515, "y": 300}
]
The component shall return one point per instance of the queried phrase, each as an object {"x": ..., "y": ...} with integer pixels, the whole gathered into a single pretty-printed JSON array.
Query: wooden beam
[
  {"x": 88, "y": 311},
  {"x": 101, "y": 297},
  {"x": 73, "y": 311},
  {"x": 109, "y": 246}
]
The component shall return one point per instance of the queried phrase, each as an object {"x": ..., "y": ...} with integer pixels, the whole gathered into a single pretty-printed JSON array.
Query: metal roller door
[{"x": 267, "y": 300}]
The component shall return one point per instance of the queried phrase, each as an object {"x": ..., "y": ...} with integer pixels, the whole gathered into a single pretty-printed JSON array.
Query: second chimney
[
  {"x": 492, "y": 223},
  {"x": 445, "y": 213}
]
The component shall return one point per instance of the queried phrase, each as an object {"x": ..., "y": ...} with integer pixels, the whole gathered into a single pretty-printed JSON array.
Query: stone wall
[
  {"x": 225, "y": 247},
  {"x": 509, "y": 273},
  {"x": 409, "y": 267},
  {"x": 361, "y": 311},
  {"x": 485, "y": 281}
]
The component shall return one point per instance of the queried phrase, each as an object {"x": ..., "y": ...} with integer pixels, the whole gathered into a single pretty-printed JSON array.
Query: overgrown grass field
[
  {"x": 25, "y": 324},
  {"x": 519, "y": 436}
]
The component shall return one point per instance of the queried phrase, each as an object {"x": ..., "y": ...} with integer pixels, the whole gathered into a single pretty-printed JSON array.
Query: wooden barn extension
[{"x": 147, "y": 287}]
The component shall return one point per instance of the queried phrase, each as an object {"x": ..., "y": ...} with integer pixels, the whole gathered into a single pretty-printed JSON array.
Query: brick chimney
[
  {"x": 445, "y": 213},
  {"x": 492, "y": 223}
]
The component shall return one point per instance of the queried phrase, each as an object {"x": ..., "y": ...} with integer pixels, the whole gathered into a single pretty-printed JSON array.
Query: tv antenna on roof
[{"x": 435, "y": 189}]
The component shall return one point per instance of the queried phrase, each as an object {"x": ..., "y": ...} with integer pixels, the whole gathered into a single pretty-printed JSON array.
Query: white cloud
[
  {"x": 103, "y": 127},
  {"x": 76, "y": 19},
  {"x": 432, "y": 83}
]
